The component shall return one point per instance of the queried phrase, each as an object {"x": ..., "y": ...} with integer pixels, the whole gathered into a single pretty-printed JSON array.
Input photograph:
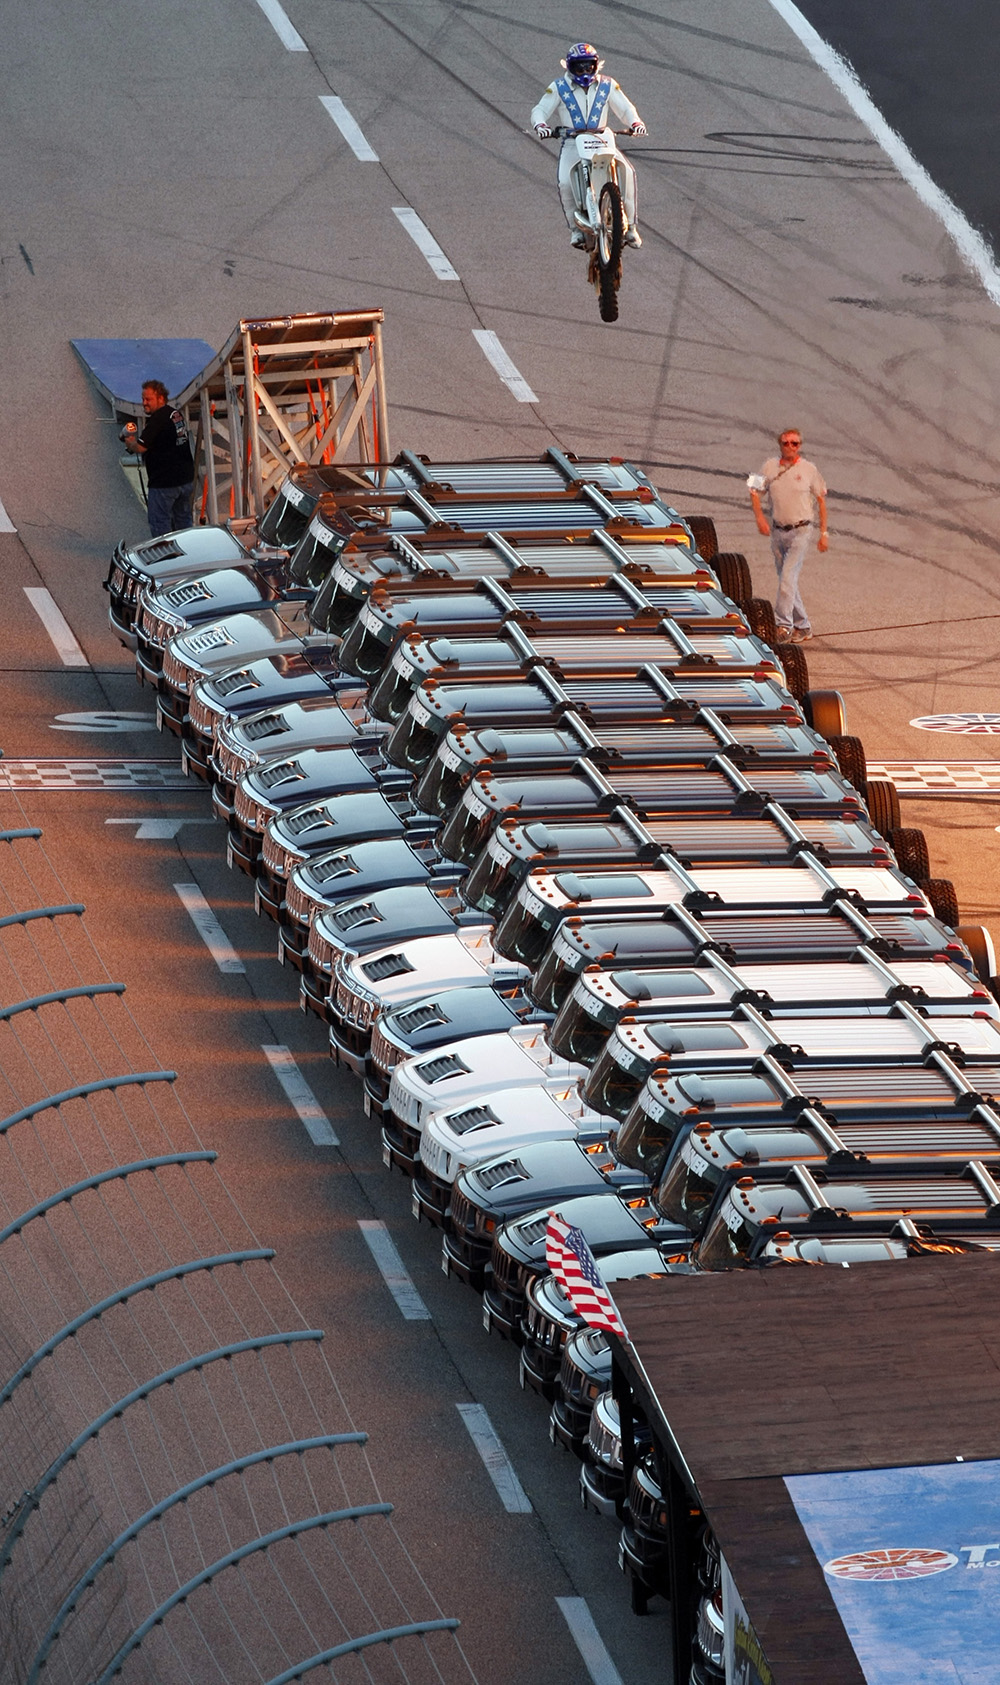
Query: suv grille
[
  {"x": 384, "y": 1053},
  {"x": 176, "y": 672},
  {"x": 251, "y": 813}
]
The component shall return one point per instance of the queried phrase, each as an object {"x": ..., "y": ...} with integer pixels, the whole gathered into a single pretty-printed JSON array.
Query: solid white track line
[
  {"x": 425, "y": 243},
  {"x": 386, "y": 1255},
  {"x": 495, "y": 1459},
  {"x": 300, "y": 1096},
  {"x": 6, "y": 524},
  {"x": 282, "y": 25},
  {"x": 209, "y": 928},
  {"x": 970, "y": 244},
  {"x": 56, "y": 625},
  {"x": 588, "y": 1641},
  {"x": 349, "y": 128},
  {"x": 508, "y": 371}
]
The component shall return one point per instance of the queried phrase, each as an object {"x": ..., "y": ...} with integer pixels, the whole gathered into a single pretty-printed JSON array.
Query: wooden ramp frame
[{"x": 284, "y": 389}]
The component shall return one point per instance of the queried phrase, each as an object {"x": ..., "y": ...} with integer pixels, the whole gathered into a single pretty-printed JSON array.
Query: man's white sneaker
[
  {"x": 633, "y": 238},
  {"x": 579, "y": 240}
]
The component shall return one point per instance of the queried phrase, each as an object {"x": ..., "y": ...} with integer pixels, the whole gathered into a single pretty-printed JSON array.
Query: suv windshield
[
  {"x": 729, "y": 1240},
  {"x": 524, "y": 930},
  {"x": 442, "y": 781},
  {"x": 316, "y": 553},
  {"x": 582, "y": 1026},
  {"x": 647, "y": 1134},
  {"x": 285, "y": 519},
  {"x": 367, "y": 643},
  {"x": 556, "y": 975},
  {"x": 466, "y": 829},
  {"x": 415, "y": 736},
  {"x": 389, "y": 696},
  {"x": 611, "y": 1087},
  {"x": 688, "y": 1187}
]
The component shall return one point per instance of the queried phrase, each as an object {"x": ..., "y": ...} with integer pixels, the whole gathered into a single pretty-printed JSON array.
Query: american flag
[{"x": 572, "y": 1263}]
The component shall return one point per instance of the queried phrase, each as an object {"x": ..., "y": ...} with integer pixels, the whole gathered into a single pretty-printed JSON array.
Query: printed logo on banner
[{"x": 890, "y": 1564}]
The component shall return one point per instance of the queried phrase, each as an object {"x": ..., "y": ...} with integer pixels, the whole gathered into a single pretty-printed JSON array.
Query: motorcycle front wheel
[{"x": 609, "y": 250}]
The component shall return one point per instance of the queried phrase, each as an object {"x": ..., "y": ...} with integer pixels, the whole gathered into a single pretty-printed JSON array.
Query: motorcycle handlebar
[{"x": 562, "y": 133}]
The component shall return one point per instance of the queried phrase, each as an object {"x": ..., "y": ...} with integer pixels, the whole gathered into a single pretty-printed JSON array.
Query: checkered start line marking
[
  {"x": 938, "y": 778},
  {"x": 92, "y": 775}
]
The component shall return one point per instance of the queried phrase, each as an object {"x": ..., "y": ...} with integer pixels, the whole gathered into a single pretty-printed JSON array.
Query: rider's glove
[
  {"x": 543, "y": 131},
  {"x": 638, "y": 129}
]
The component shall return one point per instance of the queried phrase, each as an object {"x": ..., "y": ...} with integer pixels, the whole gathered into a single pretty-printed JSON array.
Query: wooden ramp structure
[{"x": 282, "y": 390}]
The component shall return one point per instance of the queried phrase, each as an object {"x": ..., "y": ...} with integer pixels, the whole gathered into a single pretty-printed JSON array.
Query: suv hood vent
[
  {"x": 498, "y": 1175},
  {"x": 438, "y": 1070},
  {"x": 473, "y": 1117},
  {"x": 366, "y": 913},
  {"x": 390, "y": 965},
  {"x": 420, "y": 1018},
  {"x": 286, "y": 772},
  {"x": 269, "y": 725},
  {"x": 243, "y": 680}
]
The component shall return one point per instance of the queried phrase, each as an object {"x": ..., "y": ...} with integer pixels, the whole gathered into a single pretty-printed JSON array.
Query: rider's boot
[
  {"x": 633, "y": 238},
  {"x": 578, "y": 239}
]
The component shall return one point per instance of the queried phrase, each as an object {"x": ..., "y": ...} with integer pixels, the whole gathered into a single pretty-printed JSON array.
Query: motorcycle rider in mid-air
[{"x": 584, "y": 99}]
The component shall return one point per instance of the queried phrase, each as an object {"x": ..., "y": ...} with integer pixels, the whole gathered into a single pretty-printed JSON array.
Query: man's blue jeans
[
  {"x": 789, "y": 552},
  {"x": 168, "y": 508}
]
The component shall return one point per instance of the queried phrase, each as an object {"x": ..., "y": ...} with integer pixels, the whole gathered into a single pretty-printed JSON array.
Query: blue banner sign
[{"x": 912, "y": 1559}]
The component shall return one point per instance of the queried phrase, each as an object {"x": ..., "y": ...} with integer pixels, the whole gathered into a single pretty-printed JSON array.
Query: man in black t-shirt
[{"x": 163, "y": 445}]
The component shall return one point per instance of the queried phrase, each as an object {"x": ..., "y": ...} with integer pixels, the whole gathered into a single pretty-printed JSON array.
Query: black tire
[
  {"x": 980, "y": 946},
  {"x": 940, "y": 892},
  {"x": 607, "y": 297},
  {"x": 796, "y": 669},
  {"x": 910, "y": 848},
  {"x": 883, "y": 805},
  {"x": 609, "y": 240},
  {"x": 733, "y": 573},
  {"x": 638, "y": 1596},
  {"x": 760, "y": 618},
  {"x": 826, "y": 712},
  {"x": 850, "y": 753},
  {"x": 706, "y": 539}
]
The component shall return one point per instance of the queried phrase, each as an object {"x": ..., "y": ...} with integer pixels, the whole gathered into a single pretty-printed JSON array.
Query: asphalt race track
[{"x": 167, "y": 169}]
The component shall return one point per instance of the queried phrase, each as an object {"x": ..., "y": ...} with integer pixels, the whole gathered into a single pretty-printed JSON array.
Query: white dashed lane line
[
  {"x": 509, "y": 373},
  {"x": 56, "y": 625},
  {"x": 282, "y": 25},
  {"x": 495, "y": 1459},
  {"x": 300, "y": 1096},
  {"x": 386, "y": 1255},
  {"x": 209, "y": 928},
  {"x": 349, "y": 129},
  {"x": 588, "y": 1641},
  {"x": 425, "y": 243}
]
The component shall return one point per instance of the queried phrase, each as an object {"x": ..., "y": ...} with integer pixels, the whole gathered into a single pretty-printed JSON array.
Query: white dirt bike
[{"x": 596, "y": 176}]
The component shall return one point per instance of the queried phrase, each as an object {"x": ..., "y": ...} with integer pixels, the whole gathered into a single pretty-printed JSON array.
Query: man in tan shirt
[{"x": 791, "y": 485}]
